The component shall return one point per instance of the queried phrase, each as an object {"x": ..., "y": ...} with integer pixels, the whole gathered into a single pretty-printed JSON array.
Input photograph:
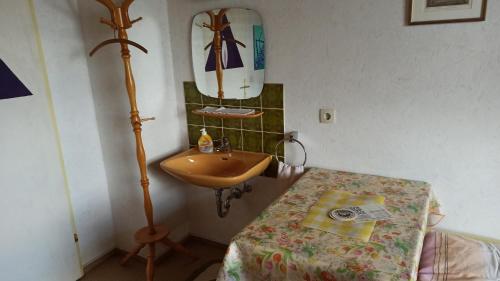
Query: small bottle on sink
[{"x": 205, "y": 143}]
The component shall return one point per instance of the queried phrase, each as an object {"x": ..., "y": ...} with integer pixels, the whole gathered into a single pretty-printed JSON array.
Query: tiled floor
[{"x": 173, "y": 268}]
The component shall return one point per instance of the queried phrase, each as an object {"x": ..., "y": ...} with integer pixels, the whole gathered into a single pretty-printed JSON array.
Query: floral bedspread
[{"x": 276, "y": 247}]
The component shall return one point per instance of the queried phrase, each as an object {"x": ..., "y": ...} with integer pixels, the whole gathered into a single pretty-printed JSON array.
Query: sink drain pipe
[{"x": 223, "y": 206}]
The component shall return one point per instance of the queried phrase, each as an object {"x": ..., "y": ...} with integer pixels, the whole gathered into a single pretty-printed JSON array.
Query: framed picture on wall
[{"x": 445, "y": 11}]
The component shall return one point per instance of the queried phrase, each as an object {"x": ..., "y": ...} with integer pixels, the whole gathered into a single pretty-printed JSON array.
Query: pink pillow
[{"x": 453, "y": 257}]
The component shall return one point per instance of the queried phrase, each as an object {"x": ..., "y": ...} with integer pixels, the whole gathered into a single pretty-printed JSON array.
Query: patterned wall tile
[
  {"x": 212, "y": 122},
  {"x": 272, "y": 120},
  {"x": 231, "y": 123},
  {"x": 274, "y": 96},
  {"x": 215, "y": 132},
  {"x": 231, "y": 102},
  {"x": 191, "y": 94},
  {"x": 270, "y": 140},
  {"x": 235, "y": 137},
  {"x": 257, "y": 134},
  {"x": 252, "y": 141},
  {"x": 193, "y": 133},
  {"x": 252, "y": 102},
  {"x": 253, "y": 124},
  {"x": 194, "y": 119}
]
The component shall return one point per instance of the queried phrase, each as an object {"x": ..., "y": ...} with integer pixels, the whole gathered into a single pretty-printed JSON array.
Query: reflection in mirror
[{"x": 228, "y": 53}]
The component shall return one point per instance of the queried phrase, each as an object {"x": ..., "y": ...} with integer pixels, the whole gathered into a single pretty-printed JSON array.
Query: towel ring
[{"x": 290, "y": 139}]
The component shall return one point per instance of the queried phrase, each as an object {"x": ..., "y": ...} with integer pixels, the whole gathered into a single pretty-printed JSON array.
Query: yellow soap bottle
[{"x": 205, "y": 143}]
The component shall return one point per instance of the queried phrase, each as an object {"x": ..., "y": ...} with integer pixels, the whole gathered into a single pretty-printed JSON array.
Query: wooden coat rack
[
  {"x": 151, "y": 234},
  {"x": 217, "y": 25}
]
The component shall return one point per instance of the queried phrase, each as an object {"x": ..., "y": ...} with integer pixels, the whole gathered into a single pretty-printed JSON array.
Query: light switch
[{"x": 326, "y": 115}]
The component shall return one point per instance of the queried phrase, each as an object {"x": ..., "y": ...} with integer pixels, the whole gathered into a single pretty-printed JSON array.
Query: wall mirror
[{"x": 228, "y": 53}]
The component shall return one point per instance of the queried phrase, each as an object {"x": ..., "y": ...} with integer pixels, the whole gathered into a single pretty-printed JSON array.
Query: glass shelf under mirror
[{"x": 228, "y": 113}]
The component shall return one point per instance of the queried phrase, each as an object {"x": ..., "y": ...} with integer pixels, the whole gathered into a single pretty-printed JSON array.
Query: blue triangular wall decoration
[{"x": 10, "y": 85}]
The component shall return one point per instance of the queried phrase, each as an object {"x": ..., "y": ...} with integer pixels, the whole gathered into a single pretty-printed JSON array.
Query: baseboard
[
  {"x": 208, "y": 242},
  {"x": 97, "y": 261},
  {"x": 159, "y": 259}
]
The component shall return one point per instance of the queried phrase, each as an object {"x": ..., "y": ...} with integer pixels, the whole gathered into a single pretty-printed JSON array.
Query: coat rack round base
[{"x": 143, "y": 238}]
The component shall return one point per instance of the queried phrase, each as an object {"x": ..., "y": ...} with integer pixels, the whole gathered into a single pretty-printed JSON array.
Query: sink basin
[{"x": 216, "y": 170}]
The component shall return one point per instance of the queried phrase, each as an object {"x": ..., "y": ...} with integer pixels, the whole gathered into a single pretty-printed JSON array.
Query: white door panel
[{"x": 36, "y": 228}]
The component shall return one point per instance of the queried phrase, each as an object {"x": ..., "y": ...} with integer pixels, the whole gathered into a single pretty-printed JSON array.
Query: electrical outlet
[{"x": 327, "y": 115}]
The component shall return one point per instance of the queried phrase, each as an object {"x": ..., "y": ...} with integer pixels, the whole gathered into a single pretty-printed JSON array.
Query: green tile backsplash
[{"x": 259, "y": 134}]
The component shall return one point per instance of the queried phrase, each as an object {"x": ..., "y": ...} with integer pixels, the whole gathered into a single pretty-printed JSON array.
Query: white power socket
[{"x": 327, "y": 115}]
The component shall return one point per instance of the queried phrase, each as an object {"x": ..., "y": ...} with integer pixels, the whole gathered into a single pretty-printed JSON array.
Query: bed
[{"x": 453, "y": 257}]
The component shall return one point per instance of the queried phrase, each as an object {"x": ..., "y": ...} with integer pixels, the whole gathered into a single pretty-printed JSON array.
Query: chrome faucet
[{"x": 223, "y": 145}]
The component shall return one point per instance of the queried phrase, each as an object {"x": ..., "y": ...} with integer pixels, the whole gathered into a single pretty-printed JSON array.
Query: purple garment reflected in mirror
[{"x": 232, "y": 52}]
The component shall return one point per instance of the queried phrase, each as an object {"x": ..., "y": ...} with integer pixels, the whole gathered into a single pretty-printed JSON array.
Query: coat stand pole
[{"x": 151, "y": 234}]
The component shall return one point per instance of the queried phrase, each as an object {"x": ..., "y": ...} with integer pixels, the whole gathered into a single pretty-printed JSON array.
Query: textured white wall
[
  {"x": 66, "y": 60},
  {"x": 156, "y": 97},
  {"x": 413, "y": 102},
  {"x": 36, "y": 223}
]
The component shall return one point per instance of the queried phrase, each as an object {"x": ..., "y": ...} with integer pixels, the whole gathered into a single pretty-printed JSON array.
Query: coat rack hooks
[
  {"x": 120, "y": 21},
  {"x": 151, "y": 234},
  {"x": 117, "y": 40}
]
